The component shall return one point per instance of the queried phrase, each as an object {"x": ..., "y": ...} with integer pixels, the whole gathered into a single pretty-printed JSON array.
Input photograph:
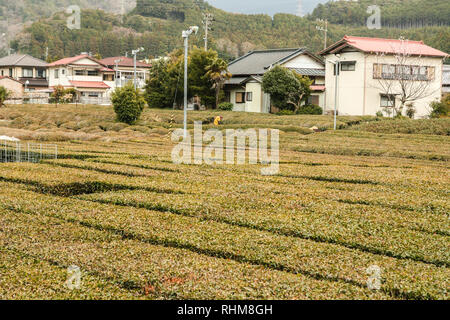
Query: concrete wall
[{"x": 360, "y": 94}]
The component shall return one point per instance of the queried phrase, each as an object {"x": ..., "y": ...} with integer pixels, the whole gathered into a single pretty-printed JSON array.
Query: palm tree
[{"x": 217, "y": 71}]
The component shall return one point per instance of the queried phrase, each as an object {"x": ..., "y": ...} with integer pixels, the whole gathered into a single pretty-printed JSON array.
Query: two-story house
[
  {"x": 92, "y": 80},
  {"x": 374, "y": 74},
  {"x": 124, "y": 70},
  {"x": 29, "y": 71},
  {"x": 244, "y": 89}
]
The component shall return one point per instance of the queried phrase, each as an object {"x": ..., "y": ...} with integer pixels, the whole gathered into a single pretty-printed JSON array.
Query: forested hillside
[
  {"x": 156, "y": 25},
  {"x": 394, "y": 13}
]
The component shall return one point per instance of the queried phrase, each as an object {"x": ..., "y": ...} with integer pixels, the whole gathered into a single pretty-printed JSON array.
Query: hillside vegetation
[
  {"x": 156, "y": 26},
  {"x": 394, "y": 13}
]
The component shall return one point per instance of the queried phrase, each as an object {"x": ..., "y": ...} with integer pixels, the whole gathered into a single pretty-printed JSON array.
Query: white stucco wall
[
  {"x": 256, "y": 104},
  {"x": 303, "y": 61},
  {"x": 360, "y": 94}
]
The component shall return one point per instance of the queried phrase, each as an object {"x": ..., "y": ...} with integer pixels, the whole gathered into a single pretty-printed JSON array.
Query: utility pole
[
  {"x": 122, "y": 10},
  {"x": 118, "y": 78},
  {"x": 185, "y": 35},
  {"x": 337, "y": 67},
  {"x": 299, "y": 8},
  {"x": 134, "y": 53},
  {"x": 208, "y": 18},
  {"x": 323, "y": 27},
  {"x": 46, "y": 53}
]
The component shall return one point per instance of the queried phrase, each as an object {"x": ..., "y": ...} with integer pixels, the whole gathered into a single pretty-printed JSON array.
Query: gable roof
[
  {"x": 126, "y": 62},
  {"x": 9, "y": 78},
  {"x": 386, "y": 46},
  {"x": 21, "y": 60},
  {"x": 70, "y": 60},
  {"x": 257, "y": 62}
]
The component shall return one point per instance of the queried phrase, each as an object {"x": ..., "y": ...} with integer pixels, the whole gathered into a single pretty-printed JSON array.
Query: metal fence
[{"x": 11, "y": 151}]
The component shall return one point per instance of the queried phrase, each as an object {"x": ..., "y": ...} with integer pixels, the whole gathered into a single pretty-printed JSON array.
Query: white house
[
  {"x": 124, "y": 68},
  {"x": 372, "y": 69},
  {"x": 244, "y": 89},
  {"x": 92, "y": 80}
]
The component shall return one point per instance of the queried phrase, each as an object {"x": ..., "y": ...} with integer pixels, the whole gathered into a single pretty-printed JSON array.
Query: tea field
[{"x": 141, "y": 227}]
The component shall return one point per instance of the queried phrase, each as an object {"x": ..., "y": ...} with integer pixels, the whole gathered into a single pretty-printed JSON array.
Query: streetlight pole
[
  {"x": 135, "y": 52},
  {"x": 337, "y": 70},
  {"x": 185, "y": 35},
  {"x": 117, "y": 71}
]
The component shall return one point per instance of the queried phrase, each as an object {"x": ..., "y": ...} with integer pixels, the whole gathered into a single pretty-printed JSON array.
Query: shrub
[
  {"x": 440, "y": 109},
  {"x": 128, "y": 104},
  {"x": 379, "y": 114},
  {"x": 410, "y": 111},
  {"x": 4, "y": 95},
  {"x": 310, "y": 109},
  {"x": 226, "y": 106}
]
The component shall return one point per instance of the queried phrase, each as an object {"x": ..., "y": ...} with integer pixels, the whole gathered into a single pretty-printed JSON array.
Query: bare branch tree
[{"x": 408, "y": 78}]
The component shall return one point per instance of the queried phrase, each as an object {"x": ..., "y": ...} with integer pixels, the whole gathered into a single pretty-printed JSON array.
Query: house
[
  {"x": 12, "y": 85},
  {"x": 29, "y": 71},
  {"x": 446, "y": 80},
  {"x": 244, "y": 89},
  {"x": 92, "y": 80},
  {"x": 124, "y": 70},
  {"x": 374, "y": 71}
]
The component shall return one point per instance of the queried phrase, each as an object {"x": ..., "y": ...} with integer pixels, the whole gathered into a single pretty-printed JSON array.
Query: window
[
  {"x": 3, "y": 73},
  {"x": 387, "y": 101},
  {"x": 56, "y": 73},
  {"x": 79, "y": 72},
  {"x": 27, "y": 73},
  {"x": 314, "y": 99},
  {"x": 348, "y": 65},
  {"x": 63, "y": 71},
  {"x": 94, "y": 94},
  {"x": 402, "y": 72},
  {"x": 249, "y": 96},
  {"x": 92, "y": 73},
  {"x": 40, "y": 73},
  {"x": 240, "y": 96},
  {"x": 10, "y": 72}
]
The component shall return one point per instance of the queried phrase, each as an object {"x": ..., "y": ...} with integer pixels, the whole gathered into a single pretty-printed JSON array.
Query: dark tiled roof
[
  {"x": 125, "y": 62},
  {"x": 35, "y": 82},
  {"x": 310, "y": 72},
  {"x": 235, "y": 80},
  {"x": 257, "y": 62},
  {"x": 21, "y": 60}
]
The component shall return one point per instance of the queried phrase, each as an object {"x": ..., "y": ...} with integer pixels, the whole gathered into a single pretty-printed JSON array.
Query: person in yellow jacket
[{"x": 218, "y": 120}]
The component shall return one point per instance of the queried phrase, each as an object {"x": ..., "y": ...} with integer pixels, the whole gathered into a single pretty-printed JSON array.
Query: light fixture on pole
[
  {"x": 134, "y": 53},
  {"x": 185, "y": 35},
  {"x": 26, "y": 84}
]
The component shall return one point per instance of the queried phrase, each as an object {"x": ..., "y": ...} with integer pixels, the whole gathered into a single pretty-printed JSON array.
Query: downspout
[{"x": 365, "y": 80}]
